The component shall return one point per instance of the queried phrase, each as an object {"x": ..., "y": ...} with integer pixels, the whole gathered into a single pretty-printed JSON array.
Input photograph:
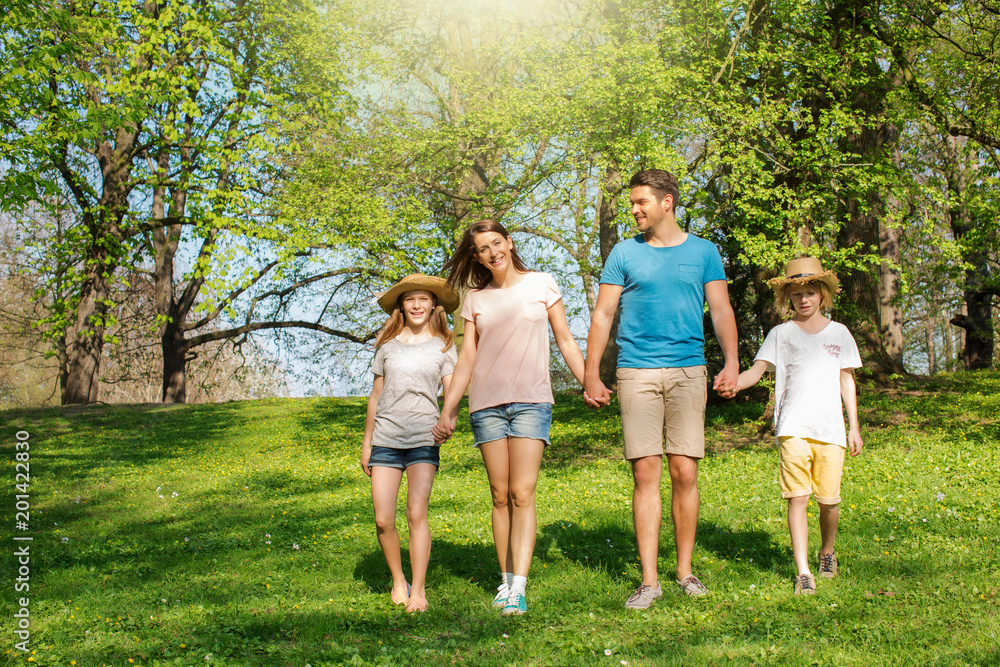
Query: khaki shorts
[
  {"x": 663, "y": 404},
  {"x": 810, "y": 467}
]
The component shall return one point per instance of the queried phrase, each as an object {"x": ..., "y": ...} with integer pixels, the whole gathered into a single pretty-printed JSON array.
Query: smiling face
[
  {"x": 806, "y": 299},
  {"x": 647, "y": 210},
  {"x": 417, "y": 307},
  {"x": 493, "y": 250}
]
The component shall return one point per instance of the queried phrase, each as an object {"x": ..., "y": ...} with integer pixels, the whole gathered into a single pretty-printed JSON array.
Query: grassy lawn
[{"x": 242, "y": 534}]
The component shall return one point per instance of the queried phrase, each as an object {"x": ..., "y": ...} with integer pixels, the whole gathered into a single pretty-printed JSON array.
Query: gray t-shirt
[{"x": 408, "y": 406}]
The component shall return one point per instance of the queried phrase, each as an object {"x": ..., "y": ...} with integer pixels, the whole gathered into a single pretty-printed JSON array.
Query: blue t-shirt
[{"x": 663, "y": 300}]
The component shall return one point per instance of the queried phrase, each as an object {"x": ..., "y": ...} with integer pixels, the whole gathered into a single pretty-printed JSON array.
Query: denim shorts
[
  {"x": 512, "y": 420},
  {"x": 391, "y": 457}
]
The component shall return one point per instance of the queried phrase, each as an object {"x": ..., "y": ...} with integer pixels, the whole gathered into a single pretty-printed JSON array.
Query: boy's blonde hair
[{"x": 783, "y": 301}]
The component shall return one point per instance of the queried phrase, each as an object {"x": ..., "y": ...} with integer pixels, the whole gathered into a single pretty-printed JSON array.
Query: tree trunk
[
  {"x": 948, "y": 335},
  {"x": 890, "y": 309},
  {"x": 174, "y": 349},
  {"x": 608, "y": 237},
  {"x": 929, "y": 325},
  {"x": 977, "y": 321},
  {"x": 978, "y": 325},
  {"x": 102, "y": 257},
  {"x": 166, "y": 240},
  {"x": 872, "y": 312},
  {"x": 82, "y": 377}
]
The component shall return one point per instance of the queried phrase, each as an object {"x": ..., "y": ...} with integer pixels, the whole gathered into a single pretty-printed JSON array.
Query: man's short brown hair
[{"x": 661, "y": 182}]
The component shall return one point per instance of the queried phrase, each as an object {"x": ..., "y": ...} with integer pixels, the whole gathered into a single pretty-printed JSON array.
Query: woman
[{"x": 505, "y": 356}]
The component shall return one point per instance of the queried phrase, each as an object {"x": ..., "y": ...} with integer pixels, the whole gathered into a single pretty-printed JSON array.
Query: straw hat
[
  {"x": 445, "y": 293},
  {"x": 806, "y": 270}
]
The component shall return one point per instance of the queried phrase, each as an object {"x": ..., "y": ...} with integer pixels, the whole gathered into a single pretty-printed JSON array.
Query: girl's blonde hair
[
  {"x": 783, "y": 301},
  {"x": 395, "y": 323}
]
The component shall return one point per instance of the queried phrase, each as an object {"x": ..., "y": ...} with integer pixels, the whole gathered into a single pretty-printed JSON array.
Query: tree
[
  {"x": 800, "y": 131},
  {"x": 480, "y": 113},
  {"x": 972, "y": 211},
  {"x": 186, "y": 102},
  {"x": 949, "y": 61}
]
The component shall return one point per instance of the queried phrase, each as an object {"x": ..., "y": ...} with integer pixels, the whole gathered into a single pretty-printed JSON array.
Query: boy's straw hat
[
  {"x": 806, "y": 270},
  {"x": 445, "y": 293}
]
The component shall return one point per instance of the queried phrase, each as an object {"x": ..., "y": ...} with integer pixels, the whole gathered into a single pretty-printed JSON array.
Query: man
[{"x": 662, "y": 278}]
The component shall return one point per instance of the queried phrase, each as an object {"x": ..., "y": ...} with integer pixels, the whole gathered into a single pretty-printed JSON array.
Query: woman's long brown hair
[
  {"x": 464, "y": 270},
  {"x": 438, "y": 321}
]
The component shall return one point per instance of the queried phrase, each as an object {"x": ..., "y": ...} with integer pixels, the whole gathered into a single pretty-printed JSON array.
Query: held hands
[
  {"x": 595, "y": 394},
  {"x": 444, "y": 428},
  {"x": 727, "y": 382},
  {"x": 725, "y": 391}
]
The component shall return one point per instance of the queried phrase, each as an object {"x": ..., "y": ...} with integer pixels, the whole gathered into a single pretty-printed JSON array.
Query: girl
[
  {"x": 813, "y": 359},
  {"x": 414, "y": 356},
  {"x": 505, "y": 355}
]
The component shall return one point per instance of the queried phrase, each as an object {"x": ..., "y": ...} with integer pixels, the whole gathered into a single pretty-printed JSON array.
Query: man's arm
[
  {"x": 595, "y": 394},
  {"x": 565, "y": 341},
  {"x": 724, "y": 323}
]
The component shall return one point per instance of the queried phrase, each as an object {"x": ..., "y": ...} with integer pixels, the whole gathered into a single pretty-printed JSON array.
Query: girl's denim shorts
[
  {"x": 512, "y": 420},
  {"x": 391, "y": 457}
]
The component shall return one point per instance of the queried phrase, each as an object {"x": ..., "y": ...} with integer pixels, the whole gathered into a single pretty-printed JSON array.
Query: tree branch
[{"x": 287, "y": 324}]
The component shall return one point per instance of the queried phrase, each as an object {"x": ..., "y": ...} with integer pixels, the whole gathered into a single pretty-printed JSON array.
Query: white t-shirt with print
[{"x": 807, "y": 367}]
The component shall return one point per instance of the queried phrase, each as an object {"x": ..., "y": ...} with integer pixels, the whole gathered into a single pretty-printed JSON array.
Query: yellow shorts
[{"x": 810, "y": 467}]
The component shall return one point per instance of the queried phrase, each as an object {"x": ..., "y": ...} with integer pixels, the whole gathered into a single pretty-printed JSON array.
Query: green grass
[{"x": 242, "y": 534}]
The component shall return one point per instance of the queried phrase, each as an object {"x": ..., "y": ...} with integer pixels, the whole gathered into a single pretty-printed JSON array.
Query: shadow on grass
[
  {"x": 347, "y": 413},
  {"x": 470, "y": 562},
  {"x": 278, "y": 635},
  {"x": 755, "y": 547},
  {"x": 222, "y": 530},
  {"x": 124, "y": 435},
  {"x": 607, "y": 547},
  {"x": 611, "y": 548}
]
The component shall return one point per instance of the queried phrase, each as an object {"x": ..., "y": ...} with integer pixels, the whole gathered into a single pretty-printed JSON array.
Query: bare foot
[
  {"x": 416, "y": 604},
  {"x": 400, "y": 595}
]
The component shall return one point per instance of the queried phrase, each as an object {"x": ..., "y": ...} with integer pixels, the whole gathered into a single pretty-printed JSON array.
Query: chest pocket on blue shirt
[{"x": 690, "y": 273}]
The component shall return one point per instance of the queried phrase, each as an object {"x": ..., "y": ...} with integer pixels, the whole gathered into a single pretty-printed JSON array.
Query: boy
[{"x": 813, "y": 359}]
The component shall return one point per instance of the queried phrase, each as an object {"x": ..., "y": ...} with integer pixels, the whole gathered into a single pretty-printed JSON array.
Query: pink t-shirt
[{"x": 512, "y": 353}]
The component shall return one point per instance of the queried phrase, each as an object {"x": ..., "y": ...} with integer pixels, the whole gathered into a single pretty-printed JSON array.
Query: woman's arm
[
  {"x": 849, "y": 394},
  {"x": 459, "y": 381},
  {"x": 565, "y": 341},
  {"x": 366, "y": 440}
]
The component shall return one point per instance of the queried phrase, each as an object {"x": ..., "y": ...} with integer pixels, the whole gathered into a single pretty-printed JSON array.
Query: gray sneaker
[
  {"x": 828, "y": 565},
  {"x": 691, "y": 586},
  {"x": 643, "y": 597},
  {"x": 805, "y": 584}
]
